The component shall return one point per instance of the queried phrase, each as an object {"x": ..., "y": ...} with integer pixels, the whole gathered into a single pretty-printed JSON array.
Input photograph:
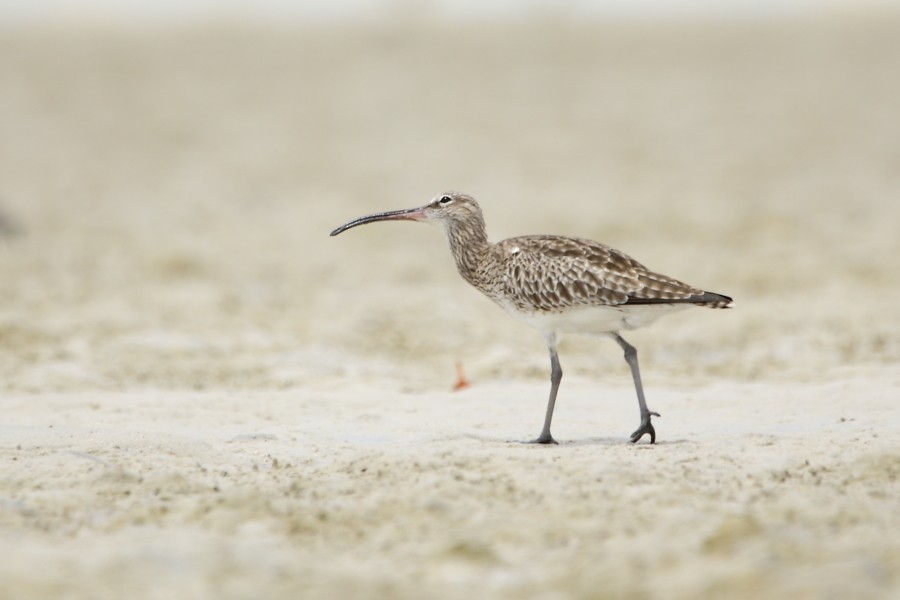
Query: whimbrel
[{"x": 557, "y": 285}]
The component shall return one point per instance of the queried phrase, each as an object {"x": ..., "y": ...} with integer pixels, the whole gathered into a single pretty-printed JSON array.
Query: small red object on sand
[{"x": 461, "y": 381}]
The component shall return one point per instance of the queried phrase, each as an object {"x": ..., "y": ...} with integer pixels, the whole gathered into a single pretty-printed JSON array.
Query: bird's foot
[
  {"x": 646, "y": 427},
  {"x": 544, "y": 438}
]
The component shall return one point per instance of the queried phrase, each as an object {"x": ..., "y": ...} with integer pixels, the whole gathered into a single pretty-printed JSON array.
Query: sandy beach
[{"x": 205, "y": 396}]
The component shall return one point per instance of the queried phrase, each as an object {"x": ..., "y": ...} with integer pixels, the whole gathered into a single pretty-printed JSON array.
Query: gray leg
[
  {"x": 555, "y": 378},
  {"x": 631, "y": 358}
]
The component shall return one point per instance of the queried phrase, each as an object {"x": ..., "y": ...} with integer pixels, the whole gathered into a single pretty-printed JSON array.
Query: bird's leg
[
  {"x": 631, "y": 358},
  {"x": 555, "y": 378}
]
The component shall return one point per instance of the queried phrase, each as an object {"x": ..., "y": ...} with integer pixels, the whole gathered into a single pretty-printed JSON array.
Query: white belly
[{"x": 596, "y": 320}]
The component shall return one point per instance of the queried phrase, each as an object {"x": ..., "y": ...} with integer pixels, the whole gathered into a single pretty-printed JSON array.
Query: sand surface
[{"x": 204, "y": 396}]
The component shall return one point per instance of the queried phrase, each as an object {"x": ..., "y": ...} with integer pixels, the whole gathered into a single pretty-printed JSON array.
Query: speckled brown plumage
[
  {"x": 557, "y": 285},
  {"x": 550, "y": 273}
]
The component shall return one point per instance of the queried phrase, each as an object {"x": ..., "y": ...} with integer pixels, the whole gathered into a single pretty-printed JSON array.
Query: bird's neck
[{"x": 469, "y": 244}]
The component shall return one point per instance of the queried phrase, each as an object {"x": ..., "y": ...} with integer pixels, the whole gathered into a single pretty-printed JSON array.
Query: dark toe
[
  {"x": 544, "y": 439},
  {"x": 644, "y": 429}
]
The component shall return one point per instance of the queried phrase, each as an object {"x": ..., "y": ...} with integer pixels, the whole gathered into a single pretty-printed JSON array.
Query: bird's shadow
[
  {"x": 593, "y": 441},
  {"x": 619, "y": 441}
]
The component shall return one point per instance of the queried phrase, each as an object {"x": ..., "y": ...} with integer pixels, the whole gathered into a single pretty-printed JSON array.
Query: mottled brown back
[{"x": 553, "y": 273}]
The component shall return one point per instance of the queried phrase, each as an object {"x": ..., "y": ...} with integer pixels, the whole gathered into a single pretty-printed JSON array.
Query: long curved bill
[{"x": 409, "y": 214}]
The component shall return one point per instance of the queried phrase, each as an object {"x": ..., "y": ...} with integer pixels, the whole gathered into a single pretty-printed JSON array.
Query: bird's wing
[{"x": 555, "y": 273}]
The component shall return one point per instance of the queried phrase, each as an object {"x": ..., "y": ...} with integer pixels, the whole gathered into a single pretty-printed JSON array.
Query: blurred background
[{"x": 169, "y": 173}]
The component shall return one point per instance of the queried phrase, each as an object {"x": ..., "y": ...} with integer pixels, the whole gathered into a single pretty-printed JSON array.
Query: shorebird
[{"x": 557, "y": 285}]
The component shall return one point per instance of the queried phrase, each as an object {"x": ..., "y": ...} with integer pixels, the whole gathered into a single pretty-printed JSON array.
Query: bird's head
[{"x": 446, "y": 210}]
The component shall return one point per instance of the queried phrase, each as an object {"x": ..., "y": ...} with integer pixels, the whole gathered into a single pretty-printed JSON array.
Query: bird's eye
[{"x": 445, "y": 200}]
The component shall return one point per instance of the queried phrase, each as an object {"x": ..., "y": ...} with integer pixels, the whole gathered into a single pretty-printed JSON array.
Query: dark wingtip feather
[{"x": 707, "y": 299}]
